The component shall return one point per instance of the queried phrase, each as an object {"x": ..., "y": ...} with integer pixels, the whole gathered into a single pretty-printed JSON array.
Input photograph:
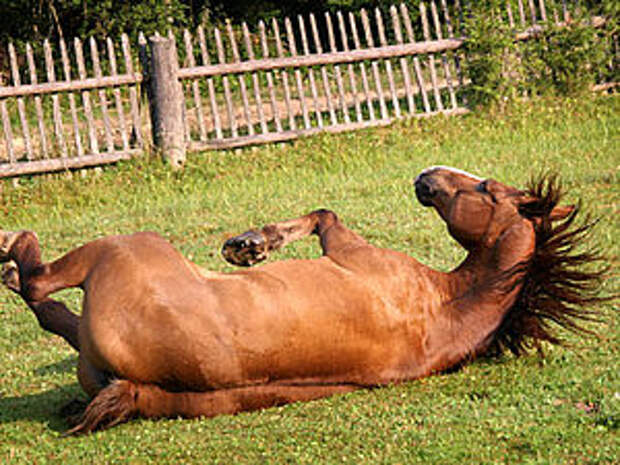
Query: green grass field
[{"x": 561, "y": 410}]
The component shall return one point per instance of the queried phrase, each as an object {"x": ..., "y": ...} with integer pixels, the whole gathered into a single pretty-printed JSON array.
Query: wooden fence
[{"x": 232, "y": 87}]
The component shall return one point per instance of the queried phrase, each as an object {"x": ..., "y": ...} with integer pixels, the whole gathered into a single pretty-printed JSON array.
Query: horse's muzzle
[{"x": 424, "y": 190}]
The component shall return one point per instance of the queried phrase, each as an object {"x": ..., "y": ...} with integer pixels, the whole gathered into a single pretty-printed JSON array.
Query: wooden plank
[
  {"x": 365, "y": 86},
  {"x": 416, "y": 61},
  {"x": 66, "y": 67},
  {"x": 388, "y": 63},
  {"x": 403, "y": 61},
  {"x": 431, "y": 58},
  {"x": 62, "y": 164},
  {"x": 352, "y": 81},
  {"x": 88, "y": 111},
  {"x": 457, "y": 60},
  {"x": 117, "y": 95},
  {"x": 240, "y": 78},
  {"x": 191, "y": 61},
  {"x": 339, "y": 83},
  {"x": 532, "y": 11},
  {"x": 133, "y": 94},
  {"x": 313, "y": 90},
  {"x": 215, "y": 111},
  {"x": 511, "y": 19},
  {"x": 232, "y": 121},
  {"x": 272, "y": 96},
  {"x": 37, "y": 101},
  {"x": 103, "y": 99},
  {"x": 521, "y": 13},
  {"x": 231, "y": 143},
  {"x": 21, "y": 107},
  {"x": 8, "y": 132},
  {"x": 57, "y": 115},
  {"x": 374, "y": 64},
  {"x": 300, "y": 87},
  {"x": 543, "y": 10},
  {"x": 284, "y": 75},
  {"x": 444, "y": 56},
  {"x": 324, "y": 76},
  {"x": 255, "y": 82}
]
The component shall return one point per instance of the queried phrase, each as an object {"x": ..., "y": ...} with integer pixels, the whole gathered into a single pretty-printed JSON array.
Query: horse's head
[{"x": 479, "y": 211}]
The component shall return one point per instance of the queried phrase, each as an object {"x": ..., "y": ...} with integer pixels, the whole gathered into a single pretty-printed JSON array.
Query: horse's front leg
[
  {"x": 255, "y": 246},
  {"x": 26, "y": 275}
]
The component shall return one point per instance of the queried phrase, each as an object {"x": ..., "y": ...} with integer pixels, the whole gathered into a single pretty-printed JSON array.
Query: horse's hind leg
[
  {"x": 25, "y": 274},
  {"x": 255, "y": 245}
]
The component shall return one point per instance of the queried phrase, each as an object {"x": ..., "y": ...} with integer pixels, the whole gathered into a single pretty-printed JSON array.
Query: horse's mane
[{"x": 559, "y": 280}]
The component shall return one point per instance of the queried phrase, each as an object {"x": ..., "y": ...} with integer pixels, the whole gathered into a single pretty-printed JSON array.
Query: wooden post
[{"x": 166, "y": 101}]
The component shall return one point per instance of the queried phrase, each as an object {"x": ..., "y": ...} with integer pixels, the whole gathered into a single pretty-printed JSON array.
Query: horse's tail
[{"x": 123, "y": 400}]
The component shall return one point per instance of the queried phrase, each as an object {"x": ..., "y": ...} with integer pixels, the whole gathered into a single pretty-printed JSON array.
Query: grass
[{"x": 562, "y": 409}]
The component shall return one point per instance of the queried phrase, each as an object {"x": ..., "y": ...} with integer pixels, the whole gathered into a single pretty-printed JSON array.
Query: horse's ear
[{"x": 560, "y": 212}]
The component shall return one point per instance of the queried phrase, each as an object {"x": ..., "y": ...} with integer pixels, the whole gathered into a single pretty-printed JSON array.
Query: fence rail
[{"x": 234, "y": 86}]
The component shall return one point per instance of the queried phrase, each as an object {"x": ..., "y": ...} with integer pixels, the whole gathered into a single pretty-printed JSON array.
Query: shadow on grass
[{"x": 44, "y": 407}]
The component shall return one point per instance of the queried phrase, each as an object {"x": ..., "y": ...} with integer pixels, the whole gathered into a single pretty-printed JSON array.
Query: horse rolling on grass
[{"x": 160, "y": 337}]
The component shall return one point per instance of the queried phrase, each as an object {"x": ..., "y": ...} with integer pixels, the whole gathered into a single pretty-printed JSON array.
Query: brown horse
[{"x": 161, "y": 337}]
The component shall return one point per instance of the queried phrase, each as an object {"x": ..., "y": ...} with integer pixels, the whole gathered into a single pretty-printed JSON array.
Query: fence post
[{"x": 166, "y": 101}]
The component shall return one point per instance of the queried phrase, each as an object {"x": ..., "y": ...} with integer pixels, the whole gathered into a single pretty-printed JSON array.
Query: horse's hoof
[
  {"x": 6, "y": 241},
  {"x": 246, "y": 249},
  {"x": 10, "y": 276}
]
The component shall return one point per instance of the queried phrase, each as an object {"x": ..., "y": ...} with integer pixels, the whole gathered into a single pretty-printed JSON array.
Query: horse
[{"x": 159, "y": 336}]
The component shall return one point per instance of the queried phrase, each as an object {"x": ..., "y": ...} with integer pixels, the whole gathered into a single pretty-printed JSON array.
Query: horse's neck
[{"x": 476, "y": 297}]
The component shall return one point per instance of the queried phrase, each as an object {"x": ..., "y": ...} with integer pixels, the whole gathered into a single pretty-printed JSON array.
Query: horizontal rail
[
  {"x": 235, "y": 142},
  {"x": 70, "y": 86},
  {"x": 62, "y": 164},
  {"x": 375, "y": 53}
]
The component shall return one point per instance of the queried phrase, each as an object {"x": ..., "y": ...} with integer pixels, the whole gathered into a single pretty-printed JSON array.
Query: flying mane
[{"x": 558, "y": 282}]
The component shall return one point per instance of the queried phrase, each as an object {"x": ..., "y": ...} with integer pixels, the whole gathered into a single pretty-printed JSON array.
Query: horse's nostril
[{"x": 424, "y": 191}]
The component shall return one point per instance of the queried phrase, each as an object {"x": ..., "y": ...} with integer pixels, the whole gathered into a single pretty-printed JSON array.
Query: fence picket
[
  {"x": 416, "y": 61},
  {"x": 313, "y": 90},
  {"x": 543, "y": 10},
  {"x": 117, "y": 95},
  {"x": 300, "y": 87},
  {"x": 191, "y": 61},
  {"x": 374, "y": 64},
  {"x": 521, "y": 13},
  {"x": 339, "y": 83},
  {"x": 284, "y": 75},
  {"x": 324, "y": 76},
  {"x": 37, "y": 101},
  {"x": 404, "y": 68},
  {"x": 431, "y": 58},
  {"x": 88, "y": 111},
  {"x": 103, "y": 100},
  {"x": 365, "y": 86},
  {"x": 444, "y": 56},
  {"x": 270, "y": 86},
  {"x": 133, "y": 93},
  {"x": 352, "y": 81},
  {"x": 51, "y": 77},
  {"x": 457, "y": 61},
  {"x": 232, "y": 120},
  {"x": 255, "y": 83},
  {"x": 21, "y": 107},
  {"x": 215, "y": 111},
  {"x": 532, "y": 11},
  {"x": 241, "y": 79},
  {"x": 66, "y": 67},
  {"x": 388, "y": 63}
]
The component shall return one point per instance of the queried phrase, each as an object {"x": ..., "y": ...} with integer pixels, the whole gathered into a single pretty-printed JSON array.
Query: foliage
[{"x": 563, "y": 409}]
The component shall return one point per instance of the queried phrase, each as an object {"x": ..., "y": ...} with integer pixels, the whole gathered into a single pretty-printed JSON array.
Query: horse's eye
[{"x": 482, "y": 187}]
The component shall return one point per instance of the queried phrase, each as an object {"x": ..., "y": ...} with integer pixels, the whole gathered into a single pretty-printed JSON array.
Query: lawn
[{"x": 564, "y": 408}]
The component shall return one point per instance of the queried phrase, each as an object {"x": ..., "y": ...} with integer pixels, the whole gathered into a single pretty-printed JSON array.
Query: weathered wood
[
  {"x": 365, "y": 86},
  {"x": 284, "y": 75},
  {"x": 532, "y": 11},
  {"x": 511, "y": 19},
  {"x": 457, "y": 61},
  {"x": 62, "y": 164},
  {"x": 240, "y": 78},
  {"x": 543, "y": 10},
  {"x": 191, "y": 61},
  {"x": 339, "y": 83},
  {"x": 21, "y": 107},
  {"x": 66, "y": 67},
  {"x": 300, "y": 87},
  {"x": 37, "y": 101},
  {"x": 324, "y": 76},
  {"x": 215, "y": 111},
  {"x": 431, "y": 57},
  {"x": 230, "y": 111},
  {"x": 313, "y": 90},
  {"x": 122, "y": 125},
  {"x": 374, "y": 64},
  {"x": 57, "y": 115},
  {"x": 565, "y": 12},
  {"x": 7, "y": 130},
  {"x": 272, "y": 96},
  {"x": 444, "y": 56},
  {"x": 167, "y": 103},
  {"x": 255, "y": 83},
  {"x": 352, "y": 81},
  {"x": 231, "y": 143},
  {"x": 416, "y": 61},
  {"x": 521, "y": 13},
  {"x": 133, "y": 93},
  {"x": 103, "y": 100},
  {"x": 388, "y": 63},
  {"x": 90, "y": 119},
  {"x": 403, "y": 61}
]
